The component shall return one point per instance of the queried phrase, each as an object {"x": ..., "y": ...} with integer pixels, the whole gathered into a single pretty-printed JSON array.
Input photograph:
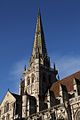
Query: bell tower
[{"x": 39, "y": 76}]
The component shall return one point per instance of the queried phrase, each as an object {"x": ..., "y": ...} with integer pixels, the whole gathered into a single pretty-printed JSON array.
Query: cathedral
[{"x": 42, "y": 95}]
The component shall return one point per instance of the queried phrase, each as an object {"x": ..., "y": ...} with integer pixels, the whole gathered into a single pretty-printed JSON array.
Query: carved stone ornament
[{"x": 77, "y": 115}]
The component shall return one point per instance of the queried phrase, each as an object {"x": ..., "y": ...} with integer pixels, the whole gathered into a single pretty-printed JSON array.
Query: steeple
[
  {"x": 39, "y": 76},
  {"x": 39, "y": 45}
]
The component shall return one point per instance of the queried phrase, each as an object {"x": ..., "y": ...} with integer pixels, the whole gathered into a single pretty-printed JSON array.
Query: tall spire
[{"x": 39, "y": 41}]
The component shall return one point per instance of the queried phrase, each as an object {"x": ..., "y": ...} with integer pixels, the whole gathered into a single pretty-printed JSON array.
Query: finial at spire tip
[
  {"x": 8, "y": 89},
  {"x": 38, "y": 11}
]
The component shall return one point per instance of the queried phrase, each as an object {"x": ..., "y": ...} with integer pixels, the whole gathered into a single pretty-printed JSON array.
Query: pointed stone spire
[{"x": 39, "y": 41}]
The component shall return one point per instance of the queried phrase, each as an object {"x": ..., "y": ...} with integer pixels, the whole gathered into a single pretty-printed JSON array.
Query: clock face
[{"x": 78, "y": 116}]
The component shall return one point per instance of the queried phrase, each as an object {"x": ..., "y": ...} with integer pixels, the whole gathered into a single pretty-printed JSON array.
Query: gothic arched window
[
  {"x": 28, "y": 81},
  {"x": 32, "y": 78},
  {"x": 6, "y": 107}
]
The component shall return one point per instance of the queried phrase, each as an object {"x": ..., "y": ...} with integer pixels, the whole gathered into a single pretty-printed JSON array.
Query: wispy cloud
[
  {"x": 17, "y": 69},
  {"x": 67, "y": 64},
  {"x": 15, "y": 74}
]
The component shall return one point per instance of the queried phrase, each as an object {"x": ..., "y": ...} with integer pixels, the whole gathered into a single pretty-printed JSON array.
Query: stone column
[
  {"x": 61, "y": 95},
  {"x": 48, "y": 99},
  {"x": 24, "y": 106},
  {"x": 28, "y": 108},
  {"x": 37, "y": 104}
]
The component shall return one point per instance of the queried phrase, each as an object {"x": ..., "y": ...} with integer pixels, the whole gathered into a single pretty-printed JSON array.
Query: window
[
  {"x": 3, "y": 118},
  {"x": 32, "y": 88},
  {"x": 6, "y": 107},
  {"x": 28, "y": 81},
  {"x": 8, "y": 117},
  {"x": 33, "y": 77}
]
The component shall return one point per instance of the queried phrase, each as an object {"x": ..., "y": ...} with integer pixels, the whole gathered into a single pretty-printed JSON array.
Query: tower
[{"x": 39, "y": 76}]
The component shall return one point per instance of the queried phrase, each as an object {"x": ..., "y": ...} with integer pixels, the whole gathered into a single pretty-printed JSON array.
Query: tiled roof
[{"x": 68, "y": 82}]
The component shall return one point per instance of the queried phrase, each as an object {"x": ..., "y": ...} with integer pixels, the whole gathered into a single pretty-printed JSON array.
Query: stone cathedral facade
[{"x": 42, "y": 96}]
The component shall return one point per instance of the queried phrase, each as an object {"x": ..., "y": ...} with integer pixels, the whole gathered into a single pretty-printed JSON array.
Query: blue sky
[{"x": 61, "y": 23}]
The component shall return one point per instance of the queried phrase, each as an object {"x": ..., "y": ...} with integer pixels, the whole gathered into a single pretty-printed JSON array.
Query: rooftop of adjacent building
[{"x": 67, "y": 81}]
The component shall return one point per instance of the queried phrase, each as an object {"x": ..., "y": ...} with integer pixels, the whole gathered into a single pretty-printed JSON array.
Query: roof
[
  {"x": 16, "y": 96},
  {"x": 68, "y": 82}
]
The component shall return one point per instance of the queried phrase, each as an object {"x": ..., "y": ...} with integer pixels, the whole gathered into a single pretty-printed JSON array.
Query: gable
[{"x": 8, "y": 98}]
